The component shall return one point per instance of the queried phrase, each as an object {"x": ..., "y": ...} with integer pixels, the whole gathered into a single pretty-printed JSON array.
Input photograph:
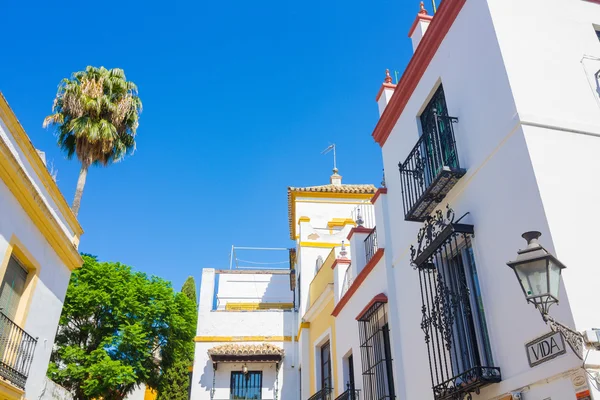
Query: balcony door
[
  {"x": 326, "y": 366},
  {"x": 246, "y": 386},
  {"x": 12, "y": 288},
  {"x": 437, "y": 149}
]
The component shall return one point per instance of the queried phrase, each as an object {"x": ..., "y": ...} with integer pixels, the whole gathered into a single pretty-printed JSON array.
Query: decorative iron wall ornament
[
  {"x": 453, "y": 319},
  {"x": 432, "y": 227}
]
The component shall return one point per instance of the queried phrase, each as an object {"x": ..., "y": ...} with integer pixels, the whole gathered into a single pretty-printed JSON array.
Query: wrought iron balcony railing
[
  {"x": 16, "y": 352},
  {"x": 323, "y": 394},
  {"x": 350, "y": 394},
  {"x": 371, "y": 245},
  {"x": 430, "y": 170}
]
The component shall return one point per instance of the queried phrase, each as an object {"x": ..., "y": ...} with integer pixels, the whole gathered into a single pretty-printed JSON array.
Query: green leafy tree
[
  {"x": 175, "y": 381},
  {"x": 96, "y": 114},
  {"x": 118, "y": 329}
]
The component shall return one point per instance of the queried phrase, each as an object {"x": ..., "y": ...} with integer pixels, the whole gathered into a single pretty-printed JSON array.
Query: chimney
[
  {"x": 385, "y": 92},
  {"x": 335, "y": 179},
  {"x": 419, "y": 27}
]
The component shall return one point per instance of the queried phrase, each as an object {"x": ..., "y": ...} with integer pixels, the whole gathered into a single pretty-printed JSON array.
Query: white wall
[
  {"x": 253, "y": 288},
  {"x": 231, "y": 324},
  {"x": 48, "y": 296},
  {"x": 500, "y": 189}
]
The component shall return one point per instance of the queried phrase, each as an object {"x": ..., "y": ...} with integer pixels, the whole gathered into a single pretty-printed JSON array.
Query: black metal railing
[
  {"x": 16, "y": 352},
  {"x": 453, "y": 320},
  {"x": 371, "y": 245},
  {"x": 350, "y": 394},
  {"x": 323, "y": 394},
  {"x": 431, "y": 169}
]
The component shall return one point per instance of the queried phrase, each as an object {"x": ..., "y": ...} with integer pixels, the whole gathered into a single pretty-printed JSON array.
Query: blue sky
[{"x": 239, "y": 98}]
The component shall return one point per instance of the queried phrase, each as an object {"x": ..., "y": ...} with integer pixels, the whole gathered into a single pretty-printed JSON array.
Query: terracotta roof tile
[{"x": 235, "y": 349}]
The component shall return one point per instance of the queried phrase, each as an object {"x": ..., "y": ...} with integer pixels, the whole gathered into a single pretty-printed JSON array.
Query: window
[
  {"x": 453, "y": 320},
  {"x": 246, "y": 386},
  {"x": 326, "y": 366},
  {"x": 12, "y": 287},
  {"x": 351, "y": 384},
  {"x": 375, "y": 347}
]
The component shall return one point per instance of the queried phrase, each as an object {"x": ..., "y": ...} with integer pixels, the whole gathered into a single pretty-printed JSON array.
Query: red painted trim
[
  {"x": 358, "y": 229},
  {"x": 340, "y": 261},
  {"x": 378, "y": 193},
  {"x": 380, "y": 298},
  {"x": 384, "y": 86},
  {"x": 360, "y": 278},
  {"x": 440, "y": 25},
  {"x": 420, "y": 17}
]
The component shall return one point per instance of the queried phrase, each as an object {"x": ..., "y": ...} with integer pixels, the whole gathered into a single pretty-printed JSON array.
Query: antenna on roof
[
  {"x": 434, "y": 6},
  {"x": 327, "y": 150}
]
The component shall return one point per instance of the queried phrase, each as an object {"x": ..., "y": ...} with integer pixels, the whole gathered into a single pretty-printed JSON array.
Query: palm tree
[{"x": 96, "y": 116}]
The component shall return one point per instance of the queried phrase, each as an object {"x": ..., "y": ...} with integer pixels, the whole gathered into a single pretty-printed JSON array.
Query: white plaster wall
[
  {"x": 346, "y": 326},
  {"x": 320, "y": 213},
  {"x": 233, "y": 324},
  {"x": 137, "y": 394},
  {"x": 204, "y": 376},
  {"x": 253, "y": 288},
  {"x": 7, "y": 137},
  {"x": 499, "y": 191},
  {"x": 48, "y": 296}
]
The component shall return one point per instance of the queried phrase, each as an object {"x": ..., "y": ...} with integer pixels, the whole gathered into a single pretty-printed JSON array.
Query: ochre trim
[
  {"x": 17, "y": 131},
  {"x": 28, "y": 197},
  {"x": 211, "y": 339},
  {"x": 340, "y": 222},
  {"x": 292, "y": 195},
  {"x": 380, "y": 298},
  {"x": 378, "y": 193},
  {"x": 150, "y": 394},
  {"x": 383, "y": 87},
  {"x": 360, "y": 278},
  {"x": 9, "y": 391},
  {"x": 340, "y": 261},
  {"x": 258, "y": 306},
  {"x": 439, "y": 27},
  {"x": 303, "y": 325},
  {"x": 359, "y": 229},
  {"x": 303, "y": 219},
  {"x": 322, "y": 245},
  {"x": 420, "y": 17}
]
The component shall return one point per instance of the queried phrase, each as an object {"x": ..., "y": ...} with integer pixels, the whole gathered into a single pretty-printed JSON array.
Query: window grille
[
  {"x": 378, "y": 381},
  {"x": 453, "y": 320}
]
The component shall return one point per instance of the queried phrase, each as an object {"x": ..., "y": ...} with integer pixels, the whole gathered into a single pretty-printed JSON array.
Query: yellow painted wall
[
  {"x": 318, "y": 326},
  {"x": 150, "y": 394}
]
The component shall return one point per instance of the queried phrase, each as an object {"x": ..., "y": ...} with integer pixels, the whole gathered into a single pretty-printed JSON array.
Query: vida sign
[{"x": 545, "y": 348}]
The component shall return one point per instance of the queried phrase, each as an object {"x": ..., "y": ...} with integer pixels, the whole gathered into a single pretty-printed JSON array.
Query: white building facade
[
  {"x": 490, "y": 133},
  {"x": 38, "y": 251}
]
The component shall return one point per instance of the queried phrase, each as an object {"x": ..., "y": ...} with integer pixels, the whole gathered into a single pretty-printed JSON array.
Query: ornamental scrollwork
[{"x": 431, "y": 228}]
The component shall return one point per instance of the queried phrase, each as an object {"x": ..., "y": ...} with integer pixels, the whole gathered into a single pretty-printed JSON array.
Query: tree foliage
[
  {"x": 118, "y": 329},
  {"x": 189, "y": 289},
  {"x": 175, "y": 381},
  {"x": 96, "y": 115}
]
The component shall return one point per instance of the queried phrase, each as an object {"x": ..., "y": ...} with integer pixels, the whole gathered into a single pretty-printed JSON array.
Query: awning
[{"x": 264, "y": 352}]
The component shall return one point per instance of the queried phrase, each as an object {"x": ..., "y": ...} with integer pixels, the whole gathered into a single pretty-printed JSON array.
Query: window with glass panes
[
  {"x": 12, "y": 287},
  {"x": 246, "y": 386},
  {"x": 326, "y": 366}
]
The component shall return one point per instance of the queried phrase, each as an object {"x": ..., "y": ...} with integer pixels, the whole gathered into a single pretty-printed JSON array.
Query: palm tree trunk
[{"x": 80, "y": 184}]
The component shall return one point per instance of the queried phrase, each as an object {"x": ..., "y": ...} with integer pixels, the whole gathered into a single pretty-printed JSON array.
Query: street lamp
[{"x": 538, "y": 273}]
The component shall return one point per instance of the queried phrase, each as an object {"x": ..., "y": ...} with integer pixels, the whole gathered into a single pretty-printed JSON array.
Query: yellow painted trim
[
  {"x": 9, "y": 391},
  {"x": 258, "y": 306},
  {"x": 303, "y": 325},
  {"x": 340, "y": 222},
  {"x": 210, "y": 339},
  {"x": 303, "y": 219},
  {"x": 334, "y": 202},
  {"x": 150, "y": 394},
  {"x": 322, "y": 245},
  {"x": 293, "y": 195},
  {"x": 28, "y": 197},
  {"x": 15, "y": 127},
  {"x": 16, "y": 248}
]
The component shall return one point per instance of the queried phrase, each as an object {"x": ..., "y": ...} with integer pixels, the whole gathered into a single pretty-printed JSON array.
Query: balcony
[
  {"x": 322, "y": 279},
  {"x": 467, "y": 382},
  {"x": 350, "y": 394},
  {"x": 371, "y": 245},
  {"x": 431, "y": 169},
  {"x": 323, "y": 394},
  {"x": 16, "y": 352}
]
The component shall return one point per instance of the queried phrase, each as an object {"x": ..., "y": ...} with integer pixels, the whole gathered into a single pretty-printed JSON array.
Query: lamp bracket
[{"x": 574, "y": 338}]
